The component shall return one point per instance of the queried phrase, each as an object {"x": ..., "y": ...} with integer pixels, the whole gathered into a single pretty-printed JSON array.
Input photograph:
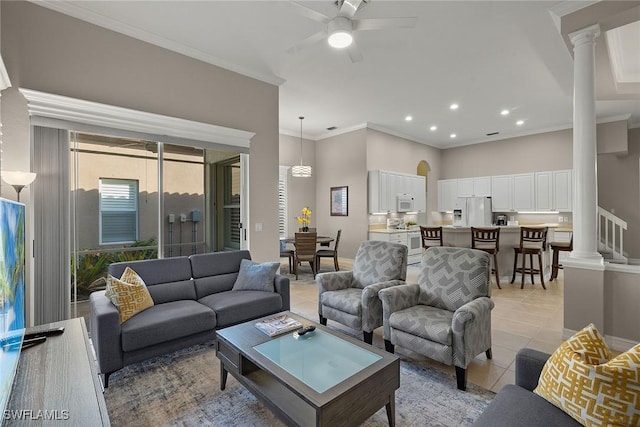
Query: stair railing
[{"x": 610, "y": 233}]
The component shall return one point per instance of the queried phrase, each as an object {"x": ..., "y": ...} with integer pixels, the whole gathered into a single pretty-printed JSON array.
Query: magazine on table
[{"x": 278, "y": 325}]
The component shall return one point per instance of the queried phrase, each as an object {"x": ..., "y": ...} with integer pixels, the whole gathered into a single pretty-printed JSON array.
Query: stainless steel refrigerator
[{"x": 476, "y": 211}]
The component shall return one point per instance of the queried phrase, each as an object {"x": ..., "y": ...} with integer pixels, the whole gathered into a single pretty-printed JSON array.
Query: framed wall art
[{"x": 339, "y": 201}]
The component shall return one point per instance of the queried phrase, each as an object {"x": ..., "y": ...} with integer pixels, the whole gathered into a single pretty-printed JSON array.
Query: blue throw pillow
[{"x": 254, "y": 276}]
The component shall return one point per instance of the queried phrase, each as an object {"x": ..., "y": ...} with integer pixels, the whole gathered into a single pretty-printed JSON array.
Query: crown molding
[
  {"x": 83, "y": 14},
  {"x": 402, "y": 135},
  {"x": 4, "y": 76},
  {"x": 41, "y": 104},
  {"x": 565, "y": 8}
]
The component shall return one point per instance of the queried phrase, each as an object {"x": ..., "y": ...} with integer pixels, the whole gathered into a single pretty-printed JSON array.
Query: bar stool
[
  {"x": 557, "y": 247},
  {"x": 431, "y": 236},
  {"x": 488, "y": 240},
  {"x": 532, "y": 242}
]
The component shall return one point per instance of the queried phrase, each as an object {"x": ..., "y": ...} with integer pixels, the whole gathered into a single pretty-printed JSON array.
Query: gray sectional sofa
[
  {"x": 518, "y": 405},
  {"x": 193, "y": 297}
]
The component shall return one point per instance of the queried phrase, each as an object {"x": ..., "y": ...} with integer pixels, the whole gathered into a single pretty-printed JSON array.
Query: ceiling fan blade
[
  {"x": 383, "y": 23},
  {"x": 348, "y": 8},
  {"x": 354, "y": 52},
  {"x": 308, "y": 12},
  {"x": 314, "y": 38}
]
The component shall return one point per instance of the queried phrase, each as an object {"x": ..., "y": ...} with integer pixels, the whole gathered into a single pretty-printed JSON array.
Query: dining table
[{"x": 321, "y": 240}]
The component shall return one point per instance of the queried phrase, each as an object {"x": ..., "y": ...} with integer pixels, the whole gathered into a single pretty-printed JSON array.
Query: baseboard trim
[{"x": 615, "y": 343}]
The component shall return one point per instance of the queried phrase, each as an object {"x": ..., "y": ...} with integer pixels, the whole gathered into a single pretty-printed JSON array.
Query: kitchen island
[{"x": 509, "y": 239}]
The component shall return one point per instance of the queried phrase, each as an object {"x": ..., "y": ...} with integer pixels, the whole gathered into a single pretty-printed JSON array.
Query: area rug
[{"x": 183, "y": 388}]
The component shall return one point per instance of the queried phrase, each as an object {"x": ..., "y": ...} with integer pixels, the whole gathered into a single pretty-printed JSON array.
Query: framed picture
[{"x": 339, "y": 201}]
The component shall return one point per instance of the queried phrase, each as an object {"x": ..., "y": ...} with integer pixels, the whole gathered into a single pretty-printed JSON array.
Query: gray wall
[
  {"x": 342, "y": 160},
  {"x": 532, "y": 153},
  {"x": 619, "y": 189},
  {"x": 388, "y": 152},
  {"x": 621, "y": 296},
  {"x": 50, "y": 52}
]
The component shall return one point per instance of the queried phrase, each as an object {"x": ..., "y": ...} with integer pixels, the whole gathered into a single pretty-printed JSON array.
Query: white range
[{"x": 410, "y": 238}]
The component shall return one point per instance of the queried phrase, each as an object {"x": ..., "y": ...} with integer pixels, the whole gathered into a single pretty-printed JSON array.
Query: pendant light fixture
[{"x": 301, "y": 171}]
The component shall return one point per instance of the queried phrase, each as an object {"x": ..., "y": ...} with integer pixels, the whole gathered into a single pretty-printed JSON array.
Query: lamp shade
[
  {"x": 18, "y": 178},
  {"x": 301, "y": 171}
]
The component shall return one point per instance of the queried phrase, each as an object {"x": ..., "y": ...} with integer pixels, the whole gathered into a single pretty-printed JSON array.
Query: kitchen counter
[{"x": 509, "y": 239}]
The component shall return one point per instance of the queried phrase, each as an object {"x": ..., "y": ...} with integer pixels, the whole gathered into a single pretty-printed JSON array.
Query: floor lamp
[{"x": 18, "y": 180}]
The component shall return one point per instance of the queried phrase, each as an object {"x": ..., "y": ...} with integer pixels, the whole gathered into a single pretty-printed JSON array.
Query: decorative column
[{"x": 585, "y": 184}]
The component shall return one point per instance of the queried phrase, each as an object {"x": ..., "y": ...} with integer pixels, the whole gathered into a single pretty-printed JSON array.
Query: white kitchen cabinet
[
  {"x": 523, "y": 192},
  {"x": 562, "y": 190},
  {"x": 378, "y": 192},
  {"x": 447, "y": 194},
  {"x": 501, "y": 193},
  {"x": 544, "y": 191},
  {"x": 474, "y": 187},
  {"x": 399, "y": 236},
  {"x": 512, "y": 193},
  {"x": 384, "y": 187}
]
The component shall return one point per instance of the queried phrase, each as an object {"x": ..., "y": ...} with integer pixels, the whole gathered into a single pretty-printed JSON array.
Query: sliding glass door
[{"x": 136, "y": 199}]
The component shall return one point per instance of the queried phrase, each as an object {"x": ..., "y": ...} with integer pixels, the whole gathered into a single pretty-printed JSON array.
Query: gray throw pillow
[{"x": 254, "y": 276}]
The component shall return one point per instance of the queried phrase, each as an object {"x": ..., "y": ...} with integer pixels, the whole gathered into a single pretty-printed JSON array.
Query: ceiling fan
[{"x": 340, "y": 28}]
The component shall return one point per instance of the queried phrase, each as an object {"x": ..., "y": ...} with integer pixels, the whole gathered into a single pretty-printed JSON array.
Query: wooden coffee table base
[{"x": 350, "y": 402}]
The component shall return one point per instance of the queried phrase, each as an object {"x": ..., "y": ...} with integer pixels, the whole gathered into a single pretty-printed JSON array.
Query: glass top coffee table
[{"x": 320, "y": 379}]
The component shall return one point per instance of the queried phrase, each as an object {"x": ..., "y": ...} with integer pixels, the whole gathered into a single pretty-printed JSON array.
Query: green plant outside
[{"x": 91, "y": 269}]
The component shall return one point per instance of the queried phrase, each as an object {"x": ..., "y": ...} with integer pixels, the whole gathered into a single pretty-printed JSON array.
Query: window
[
  {"x": 282, "y": 201},
  {"x": 118, "y": 210}
]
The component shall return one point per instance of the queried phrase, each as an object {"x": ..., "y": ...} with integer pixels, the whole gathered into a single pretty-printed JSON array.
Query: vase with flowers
[{"x": 305, "y": 219}]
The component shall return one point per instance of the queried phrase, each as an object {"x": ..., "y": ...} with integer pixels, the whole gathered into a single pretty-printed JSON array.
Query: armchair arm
[
  {"x": 332, "y": 281},
  {"x": 106, "y": 333},
  {"x": 529, "y": 364},
  {"x": 471, "y": 327},
  {"x": 372, "y": 306},
  {"x": 469, "y": 312},
  {"x": 397, "y": 298},
  {"x": 281, "y": 284}
]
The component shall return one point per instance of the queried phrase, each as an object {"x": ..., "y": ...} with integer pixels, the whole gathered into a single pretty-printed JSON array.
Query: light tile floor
[{"x": 530, "y": 317}]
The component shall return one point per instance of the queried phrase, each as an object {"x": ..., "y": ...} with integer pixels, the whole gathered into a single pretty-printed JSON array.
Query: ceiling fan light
[
  {"x": 340, "y": 39},
  {"x": 340, "y": 32}
]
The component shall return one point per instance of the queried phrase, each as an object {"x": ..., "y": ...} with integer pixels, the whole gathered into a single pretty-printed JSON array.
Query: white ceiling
[{"x": 484, "y": 55}]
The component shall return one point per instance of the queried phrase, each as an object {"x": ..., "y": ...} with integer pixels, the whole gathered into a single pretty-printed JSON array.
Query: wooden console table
[{"x": 56, "y": 382}]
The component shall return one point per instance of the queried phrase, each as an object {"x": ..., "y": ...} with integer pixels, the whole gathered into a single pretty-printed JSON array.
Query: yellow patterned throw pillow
[
  {"x": 581, "y": 379},
  {"x": 129, "y": 294}
]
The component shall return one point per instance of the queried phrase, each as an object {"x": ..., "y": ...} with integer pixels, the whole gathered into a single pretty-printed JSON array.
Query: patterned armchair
[
  {"x": 447, "y": 315},
  {"x": 351, "y": 297}
]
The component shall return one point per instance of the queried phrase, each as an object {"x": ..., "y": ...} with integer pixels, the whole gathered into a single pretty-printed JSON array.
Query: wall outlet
[
  {"x": 560, "y": 219},
  {"x": 566, "y": 219},
  {"x": 258, "y": 226},
  {"x": 183, "y": 218},
  {"x": 512, "y": 218}
]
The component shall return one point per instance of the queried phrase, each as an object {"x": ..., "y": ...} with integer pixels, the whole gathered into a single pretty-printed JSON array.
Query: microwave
[{"x": 405, "y": 203}]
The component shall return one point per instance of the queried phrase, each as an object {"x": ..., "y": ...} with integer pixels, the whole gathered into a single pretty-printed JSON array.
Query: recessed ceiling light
[
  {"x": 520, "y": 122},
  {"x": 453, "y": 106},
  {"x": 504, "y": 112},
  {"x": 434, "y": 127},
  {"x": 453, "y": 135},
  {"x": 408, "y": 118}
]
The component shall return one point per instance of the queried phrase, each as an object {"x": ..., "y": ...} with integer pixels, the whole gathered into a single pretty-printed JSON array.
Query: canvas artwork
[{"x": 12, "y": 319}]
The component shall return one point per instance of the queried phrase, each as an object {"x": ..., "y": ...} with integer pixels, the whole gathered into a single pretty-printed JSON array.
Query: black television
[{"x": 12, "y": 288}]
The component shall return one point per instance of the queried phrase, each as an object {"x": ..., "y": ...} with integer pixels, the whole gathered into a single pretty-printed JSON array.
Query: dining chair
[
  {"x": 533, "y": 241},
  {"x": 488, "y": 240},
  {"x": 287, "y": 253},
  {"x": 305, "y": 244},
  {"x": 329, "y": 253},
  {"x": 431, "y": 236}
]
